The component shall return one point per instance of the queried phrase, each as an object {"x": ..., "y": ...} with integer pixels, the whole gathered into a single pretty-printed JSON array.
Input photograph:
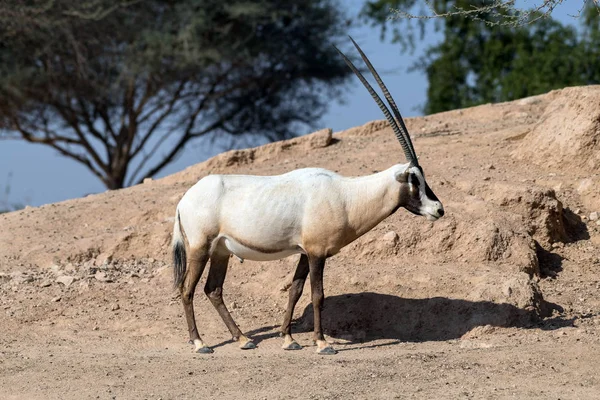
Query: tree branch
[
  {"x": 73, "y": 123},
  {"x": 159, "y": 120},
  {"x": 149, "y": 155},
  {"x": 101, "y": 109},
  {"x": 179, "y": 146},
  {"x": 88, "y": 120}
]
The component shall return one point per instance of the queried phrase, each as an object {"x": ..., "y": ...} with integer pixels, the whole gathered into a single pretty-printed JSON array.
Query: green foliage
[
  {"x": 590, "y": 44},
  {"x": 109, "y": 83},
  {"x": 480, "y": 62}
]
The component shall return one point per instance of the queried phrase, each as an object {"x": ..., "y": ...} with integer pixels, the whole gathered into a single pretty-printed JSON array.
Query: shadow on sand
[
  {"x": 365, "y": 317},
  {"x": 550, "y": 262},
  {"x": 369, "y": 316}
]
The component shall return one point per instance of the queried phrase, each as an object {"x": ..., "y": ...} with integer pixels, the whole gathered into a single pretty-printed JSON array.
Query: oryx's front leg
[
  {"x": 214, "y": 291},
  {"x": 316, "y": 266},
  {"x": 295, "y": 292}
]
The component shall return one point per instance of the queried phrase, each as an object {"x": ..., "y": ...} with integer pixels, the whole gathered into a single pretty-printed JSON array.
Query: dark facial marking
[
  {"x": 429, "y": 193},
  {"x": 409, "y": 197},
  {"x": 414, "y": 180}
]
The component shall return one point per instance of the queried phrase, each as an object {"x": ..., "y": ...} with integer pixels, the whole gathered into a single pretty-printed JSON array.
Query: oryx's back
[{"x": 243, "y": 207}]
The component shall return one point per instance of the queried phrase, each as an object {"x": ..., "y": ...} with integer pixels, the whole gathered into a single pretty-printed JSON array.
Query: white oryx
[{"x": 312, "y": 211}]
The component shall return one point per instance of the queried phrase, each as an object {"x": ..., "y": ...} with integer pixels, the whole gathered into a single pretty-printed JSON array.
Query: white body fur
[{"x": 311, "y": 211}]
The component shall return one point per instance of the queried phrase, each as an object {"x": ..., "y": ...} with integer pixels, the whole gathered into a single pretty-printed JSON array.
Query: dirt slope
[{"x": 497, "y": 299}]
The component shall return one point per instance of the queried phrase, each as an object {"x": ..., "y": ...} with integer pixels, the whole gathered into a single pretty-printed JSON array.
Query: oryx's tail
[{"x": 179, "y": 256}]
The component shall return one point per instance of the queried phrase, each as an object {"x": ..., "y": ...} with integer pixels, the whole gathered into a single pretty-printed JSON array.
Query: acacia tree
[
  {"x": 110, "y": 84},
  {"x": 481, "y": 60}
]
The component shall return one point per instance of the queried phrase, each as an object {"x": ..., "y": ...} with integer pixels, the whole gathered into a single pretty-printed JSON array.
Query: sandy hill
[{"x": 516, "y": 254}]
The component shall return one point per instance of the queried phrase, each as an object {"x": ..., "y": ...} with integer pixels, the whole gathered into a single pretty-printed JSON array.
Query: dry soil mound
[{"x": 568, "y": 133}]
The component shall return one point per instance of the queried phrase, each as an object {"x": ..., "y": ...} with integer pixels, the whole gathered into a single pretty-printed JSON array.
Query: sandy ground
[{"x": 498, "y": 299}]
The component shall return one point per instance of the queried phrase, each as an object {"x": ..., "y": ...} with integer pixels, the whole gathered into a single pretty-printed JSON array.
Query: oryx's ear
[{"x": 402, "y": 176}]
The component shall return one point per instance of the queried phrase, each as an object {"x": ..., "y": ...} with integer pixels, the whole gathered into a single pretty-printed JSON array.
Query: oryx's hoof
[
  {"x": 327, "y": 351},
  {"x": 248, "y": 345},
  {"x": 293, "y": 345},
  {"x": 204, "y": 350}
]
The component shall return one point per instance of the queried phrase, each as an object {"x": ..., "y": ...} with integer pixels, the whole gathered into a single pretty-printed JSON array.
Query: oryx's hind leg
[
  {"x": 195, "y": 266},
  {"x": 295, "y": 292},
  {"x": 214, "y": 291}
]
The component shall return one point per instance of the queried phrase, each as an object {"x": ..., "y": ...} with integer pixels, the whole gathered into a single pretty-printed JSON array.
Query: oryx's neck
[{"x": 370, "y": 199}]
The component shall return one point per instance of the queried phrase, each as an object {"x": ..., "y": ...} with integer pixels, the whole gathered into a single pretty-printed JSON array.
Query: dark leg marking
[
  {"x": 316, "y": 266},
  {"x": 195, "y": 268},
  {"x": 214, "y": 291},
  {"x": 295, "y": 293}
]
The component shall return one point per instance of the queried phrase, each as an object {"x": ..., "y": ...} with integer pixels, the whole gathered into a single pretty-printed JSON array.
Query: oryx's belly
[{"x": 248, "y": 251}]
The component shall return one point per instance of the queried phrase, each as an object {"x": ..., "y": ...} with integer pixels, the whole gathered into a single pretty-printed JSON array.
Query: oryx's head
[{"x": 415, "y": 194}]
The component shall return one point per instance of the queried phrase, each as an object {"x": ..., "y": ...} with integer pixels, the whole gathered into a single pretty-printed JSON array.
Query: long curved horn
[
  {"x": 389, "y": 99},
  {"x": 408, "y": 152}
]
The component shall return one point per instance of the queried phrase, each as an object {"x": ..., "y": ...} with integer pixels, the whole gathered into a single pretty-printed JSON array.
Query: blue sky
[{"x": 39, "y": 175}]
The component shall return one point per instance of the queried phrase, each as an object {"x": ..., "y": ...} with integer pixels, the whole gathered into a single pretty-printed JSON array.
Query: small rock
[
  {"x": 598, "y": 222},
  {"x": 102, "y": 277},
  {"x": 320, "y": 138},
  {"x": 594, "y": 216},
  {"x": 390, "y": 239},
  {"x": 45, "y": 283},
  {"x": 354, "y": 281},
  {"x": 115, "y": 307},
  {"x": 490, "y": 167},
  {"x": 557, "y": 245},
  {"x": 233, "y": 305},
  {"x": 577, "y": 211},
  {"x": 70, "y": 267},
  {"x": 148, "y": 180},
  {"x": 66, "y": 280},
  {"x": 83, "y": 286},
  {"x": 55, "y": 268},
  {"x": 21, "y": 277},
  {"x": 487, "y": 178},
  {"x": 56, "y": 299}
]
